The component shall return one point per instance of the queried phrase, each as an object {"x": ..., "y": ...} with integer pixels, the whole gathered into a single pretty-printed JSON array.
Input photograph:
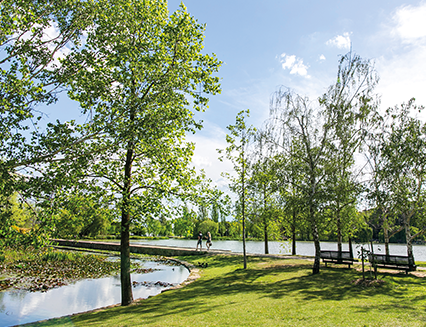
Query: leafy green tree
[
  {"x": 185, "y": 225},
  {"x": 22, "y": 212},
  {"x": 137, "y": 72},
  {"x": 296, "y": 120},
  {"x": 404, "y": 168},
  {"x": 352, "y": 105},
  {"x": 209, "y": 226},
  {"x": 328, "y": 134},
  {"x": 238, "y": 141},
  {"x": 262, "y": 183},
  {"x": 378, "y": 195},
  {"x": 290, "y": 195},
  {"x": 202, "y": 212},
  {"x": 215, "y": 213},
  {"x": 34, "y": 36}
]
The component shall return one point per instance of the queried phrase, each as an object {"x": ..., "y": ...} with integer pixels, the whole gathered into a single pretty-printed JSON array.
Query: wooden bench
[
  {"x": 398, "y": 262},
  {"x": 343, "y": 257}
]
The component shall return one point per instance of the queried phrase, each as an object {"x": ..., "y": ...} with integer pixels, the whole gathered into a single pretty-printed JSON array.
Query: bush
[{"x": 208, "y": 226}]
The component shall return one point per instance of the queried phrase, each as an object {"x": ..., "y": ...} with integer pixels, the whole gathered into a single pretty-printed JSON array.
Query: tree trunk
[
  {"x": 386, "y": 237},
  {"x": 339, "y": 233},
  {"x": 265, "y": 221},
  {"x": 126, "y": 285},
  {"x": 293, "y": 232},
  {"x": 409, "y": 240},
  {"x": 243, "y": 176},
  {"x": 351, "y": 252},
  {"x": 316, "y": 267},
  {"x": 315, "y": 236}
]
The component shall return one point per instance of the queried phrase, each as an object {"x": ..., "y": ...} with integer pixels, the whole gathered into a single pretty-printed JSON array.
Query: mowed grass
[{"x": 271, "y": 292}]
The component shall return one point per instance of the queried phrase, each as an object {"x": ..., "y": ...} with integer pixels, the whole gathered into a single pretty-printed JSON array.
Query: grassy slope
[{"x": 271, "y": 292}]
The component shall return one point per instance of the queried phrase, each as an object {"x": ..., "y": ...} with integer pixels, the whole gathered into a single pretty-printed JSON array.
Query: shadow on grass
[{"x": 274, "y": 281}]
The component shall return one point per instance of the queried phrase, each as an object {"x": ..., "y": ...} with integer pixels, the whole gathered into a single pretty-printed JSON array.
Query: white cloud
[
  {"x": 401, "y": 68},
  {"x": 402, "y": 77},
  {"x": 322, "y": 57},
  {"x": 410, "y": 23},
  {"x": 340, "y": 41},
  {"x": 295, "y": 65},
  {"x": 206, "y": 156}
]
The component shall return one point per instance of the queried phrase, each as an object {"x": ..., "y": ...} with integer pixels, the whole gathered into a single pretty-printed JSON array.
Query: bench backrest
[
  {"x": 391, "y": 259},
  {"x": 335, "y": 254}
]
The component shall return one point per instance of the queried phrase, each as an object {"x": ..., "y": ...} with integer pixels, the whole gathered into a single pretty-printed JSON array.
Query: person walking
[
  {"x": 200, "y": 241},
  {"x": 209, "y": 241}
]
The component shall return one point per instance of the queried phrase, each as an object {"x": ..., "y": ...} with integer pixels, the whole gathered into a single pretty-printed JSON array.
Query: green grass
[{"x": 271, "y": 292}]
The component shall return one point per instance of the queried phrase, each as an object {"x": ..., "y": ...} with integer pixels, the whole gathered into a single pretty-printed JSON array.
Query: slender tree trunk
[
  {"x": 243, "y": 207},
  {"x": 265, "y": 221},
  {"x": 409, "y": 240},
  {"x": 293, "y": 232},
  {"x": 386, "y": 237},
  {"x": 339, "y": 232},
  {"x": 351, "y": 252},
  {"x": 316, "y": 267},
  {"x": 315, "y": 236},
  {"x": 126, "y": 285}
]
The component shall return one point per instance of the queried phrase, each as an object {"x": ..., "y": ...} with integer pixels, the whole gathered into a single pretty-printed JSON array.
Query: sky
[
  {"x": 297, "y": 44},
  {"x": 268, "y": 44}
]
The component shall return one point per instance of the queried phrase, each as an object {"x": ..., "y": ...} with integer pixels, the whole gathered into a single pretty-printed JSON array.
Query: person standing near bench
[{"x": 200, "y": 241}]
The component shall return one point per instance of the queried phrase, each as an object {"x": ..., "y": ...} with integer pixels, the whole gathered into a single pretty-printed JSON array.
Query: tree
[
  {"x": 404, "y": 168},
  {"x": 215, "y": 213},
  {"x": 185, "y": 225},
  {"x": 295, "y": 120},
  {"x": 329, "y": 133},
  {"x": 35, "y": 34},
  {"x": 352, "y": 105},
  {"x": 290, "y": 195},
  {"x": 136, "y": 73},
  {"x": 238, "y": 141},
  {"x": 379, "y": 195},
  {"x": 262, "y": 183},
  {"x": 209, "y": 226}
]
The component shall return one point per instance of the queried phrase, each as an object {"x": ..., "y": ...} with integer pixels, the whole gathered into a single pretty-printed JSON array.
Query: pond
[
  {"x": 302, "y": 248},
  {"x": 19, "y": 307}
]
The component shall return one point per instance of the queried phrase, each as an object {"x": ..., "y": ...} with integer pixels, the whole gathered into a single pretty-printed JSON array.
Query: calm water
[
  {"x": 19, "y": 307},
  {"x": 302, "y": 248}
]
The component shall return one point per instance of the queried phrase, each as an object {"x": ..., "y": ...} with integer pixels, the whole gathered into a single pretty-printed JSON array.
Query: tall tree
[
  {"x": 378, "y": 193},
  {"x": 137, "y": 72},
  {"x": 262, "y": 182},
  {"x": 294, "y": 118},
  {"x": 35, "y": 36},
  {"x": 289, "y": 176},
  {"x": 352, "y": 105},
  {"x": 329, "y": 133},
  {"x": 404, "y": 169},
  {"x": 238, "y": 142}
]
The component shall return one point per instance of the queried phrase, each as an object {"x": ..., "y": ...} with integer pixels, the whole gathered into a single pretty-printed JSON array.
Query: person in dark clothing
[{"x": 200, "y": 241}]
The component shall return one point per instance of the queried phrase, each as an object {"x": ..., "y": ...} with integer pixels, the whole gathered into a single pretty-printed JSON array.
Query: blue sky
[
  {"x": 296, "y": 44},
  {"x": 273, "y": 43}
]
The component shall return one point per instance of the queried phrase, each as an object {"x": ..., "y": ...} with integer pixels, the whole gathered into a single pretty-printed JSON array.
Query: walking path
[
  {"x": 160, "y": 249},
  {"x": 170, "y": 250}
]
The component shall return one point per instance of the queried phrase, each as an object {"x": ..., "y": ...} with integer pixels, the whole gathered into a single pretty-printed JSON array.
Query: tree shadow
[{"x": 269, "y": 282}]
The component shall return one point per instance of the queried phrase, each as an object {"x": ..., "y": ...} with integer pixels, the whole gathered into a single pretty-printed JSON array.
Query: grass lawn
[{"x": 271, "y": 292}]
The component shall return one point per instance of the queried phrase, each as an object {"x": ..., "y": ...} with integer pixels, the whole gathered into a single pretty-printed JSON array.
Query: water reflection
[
  {"x": 302, "y": 248},
  {"x": 19, "y": 307}
]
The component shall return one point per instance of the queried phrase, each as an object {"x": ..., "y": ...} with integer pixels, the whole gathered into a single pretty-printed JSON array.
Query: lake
[
  {"x": 302, "y": 248},
  {"x": 19, "y": 306}
]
